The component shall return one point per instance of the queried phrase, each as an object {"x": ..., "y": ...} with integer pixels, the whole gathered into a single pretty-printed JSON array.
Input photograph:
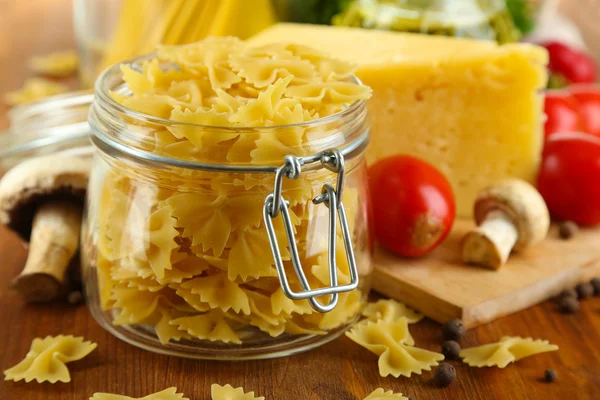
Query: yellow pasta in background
[
  {"x": 46, "y": 359},
  {"x": 34, "y": 89},
  {"x": 57, "y": 64}
]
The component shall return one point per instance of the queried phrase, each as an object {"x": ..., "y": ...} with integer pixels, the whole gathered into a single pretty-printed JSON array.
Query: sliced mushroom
[
  {"x": 41, "y": 199},
  {"x": 511, "y": 216}
]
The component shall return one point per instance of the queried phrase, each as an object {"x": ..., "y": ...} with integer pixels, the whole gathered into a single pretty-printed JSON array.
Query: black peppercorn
[
  {"x": 584, "y": 290},
  {"x": 596, "y": 284},
  {"x": 568, "y": 293},
  {"x": 444, "y": 375},
  {"x": 450, "y": 350},
  {"x": 550, "y": 375},
  {"x": 75, "y": 297},
  {"x": 568, "y": 305},
  {"x": 567, "y": 229},
  {"x": 454, "y": 330}
]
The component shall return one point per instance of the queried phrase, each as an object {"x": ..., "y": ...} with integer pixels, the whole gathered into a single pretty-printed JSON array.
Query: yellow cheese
[{"x": 471, "y": 108}]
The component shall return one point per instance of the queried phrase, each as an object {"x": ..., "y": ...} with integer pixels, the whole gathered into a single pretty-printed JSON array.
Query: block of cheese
[{"x": 473, "y": 109}]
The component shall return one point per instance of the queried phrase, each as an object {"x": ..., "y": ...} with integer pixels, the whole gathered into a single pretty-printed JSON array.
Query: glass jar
[
  {"x": 55, "y": 125},
  {"x": 189, "y": 254}
]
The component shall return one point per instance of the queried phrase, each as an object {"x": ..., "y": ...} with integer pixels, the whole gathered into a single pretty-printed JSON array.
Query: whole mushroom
[
  {"x": 511, "y": 216},
  {"x": 41, "y": 200}
]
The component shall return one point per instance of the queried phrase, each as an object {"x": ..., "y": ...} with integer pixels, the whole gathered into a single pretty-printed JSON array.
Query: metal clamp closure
[{"x": 333, "y": 160}]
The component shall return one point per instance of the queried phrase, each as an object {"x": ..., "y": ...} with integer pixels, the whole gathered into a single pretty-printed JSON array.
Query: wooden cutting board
[{"x": 442, "y": 288}]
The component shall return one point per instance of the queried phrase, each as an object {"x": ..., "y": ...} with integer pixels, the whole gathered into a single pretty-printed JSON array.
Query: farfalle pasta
[
  {"x": 185, "y": 252},
  {"x": 46, "y": 359},
  {"x": 508, "y": 350},
  {"x": 390, "y": 310},
  {"x": 167, "y": 394},
  {"x": 381, "y": 394},
  {"x": 227, "y": 392},
  {"x": 392, "y": 342}
]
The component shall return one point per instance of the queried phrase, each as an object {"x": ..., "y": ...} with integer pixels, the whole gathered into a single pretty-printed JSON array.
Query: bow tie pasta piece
[
  {"x": 203, "y": 218},
  {"x": 161, "y": 242},
  {"x": 46, "y": 359},
  {"x": 509, "y": 349},
  {"x": 167, "y": 394},
  {"x": 330, "y": 93},
  {"x": 389, "y": 310},
  {"x": 327, "y": 67},
  {"x": 397, "y": 331},
  {"x": 251, "y": 256},
  {"x": 219, "y": 292},
  {"x": 280, "y": 303},
  {"x": 349, "y": 305},
  {"x": 194, "y": 300},
  {"x": 210, "y": 326},
  {"x": 199, "y": 136},
  {"x": 295, "y": 326},
  {"x": 135, "y": 305},
  {"x": 261, "y": 71},
  {"x": 380, "y": 394},
  {"x": 152, "y": 77},
  {"x": 227, "y": 392},
  {"x": 257, "y": 111},
  {"x": 390, "y": 341},
  {"x": 167, "y": 331}
]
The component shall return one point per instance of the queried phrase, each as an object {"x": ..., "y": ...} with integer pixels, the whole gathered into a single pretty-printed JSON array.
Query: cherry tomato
[
  {"x": 562, "y": 112},
  {"x": 588, "y": 99},
  {"x": 413, "y": 205},
  {"x": 573, "y": 64},
  {"x": 569, "y": 177}
]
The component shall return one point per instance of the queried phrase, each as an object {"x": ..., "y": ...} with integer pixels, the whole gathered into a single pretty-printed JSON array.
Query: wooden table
[{"x": 338, "y": 371}]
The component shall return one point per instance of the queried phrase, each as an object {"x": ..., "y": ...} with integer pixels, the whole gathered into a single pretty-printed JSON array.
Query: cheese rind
[{"x": 471, "y": 108}]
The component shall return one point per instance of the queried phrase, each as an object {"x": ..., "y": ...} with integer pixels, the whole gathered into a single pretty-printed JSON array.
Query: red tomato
[
  {"x": 413, "y": 205},
  {"x": 588, "y": 98},
  {"x": 573, "y": 64},
  {"x": 562, "y": 112},
  {"x": 569, "y": 178}
]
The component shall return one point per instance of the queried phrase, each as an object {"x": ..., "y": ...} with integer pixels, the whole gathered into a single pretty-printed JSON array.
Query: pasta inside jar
[{"x": 186, "y": 248}]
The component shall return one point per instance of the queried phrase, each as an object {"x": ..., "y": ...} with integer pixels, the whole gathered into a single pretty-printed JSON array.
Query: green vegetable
[
  {"x": 522, "y": 13},
  {"x": 309, "y": 11}
]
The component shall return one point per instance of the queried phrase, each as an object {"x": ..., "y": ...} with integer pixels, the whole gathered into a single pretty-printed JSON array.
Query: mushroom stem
[
  {"x": 54, "y": 241},
  {"x": 490, "y": 244}
]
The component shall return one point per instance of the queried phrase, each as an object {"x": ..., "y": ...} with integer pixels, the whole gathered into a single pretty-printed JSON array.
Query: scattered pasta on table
[
  {"x": 508, "y": 350},
  {"x": 46, "y": 359}
]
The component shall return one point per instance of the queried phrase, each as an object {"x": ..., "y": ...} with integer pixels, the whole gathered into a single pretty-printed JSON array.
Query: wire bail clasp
[{"x": 333, "y": 160}]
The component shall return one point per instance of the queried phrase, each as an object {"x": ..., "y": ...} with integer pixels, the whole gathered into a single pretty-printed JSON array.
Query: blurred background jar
[
  {"x": 478, "y": 19},
  {"x": 109, "y": 31}
]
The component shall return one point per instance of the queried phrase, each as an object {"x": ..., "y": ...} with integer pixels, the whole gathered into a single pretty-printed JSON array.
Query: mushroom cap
[
  {"x": 29, "y": 183},
  {"x": 522, "y": 203}
]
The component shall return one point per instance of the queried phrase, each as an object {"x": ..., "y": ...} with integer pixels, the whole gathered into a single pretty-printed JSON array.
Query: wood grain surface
[
  {"x": 340, "y": 370},
  {"x": 442, "y": 287}
]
